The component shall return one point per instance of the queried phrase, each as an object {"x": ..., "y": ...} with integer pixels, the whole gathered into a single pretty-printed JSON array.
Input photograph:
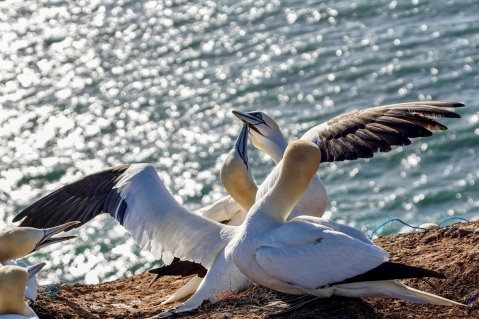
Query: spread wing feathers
[
  {"x": 359, "y": 134},
  {"x": 313, "y": 255},
  {"x": 154, "y": 218},
  {"x": 81, "y": 200},
  {"x": 137, "y": 198}
]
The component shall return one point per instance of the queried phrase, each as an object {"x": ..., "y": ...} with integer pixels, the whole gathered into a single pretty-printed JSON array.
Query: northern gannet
[
  {"x": 349, "y": 136},
  {"x": 13, "y": 280},
  {"x": 137, "y": 198},
  {"x": 310, "y": 255},
  {"x": 236, "y": 171},
  {"x": 18, "y": 242}
]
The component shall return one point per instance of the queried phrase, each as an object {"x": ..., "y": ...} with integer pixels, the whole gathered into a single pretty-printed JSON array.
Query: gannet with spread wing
[
  {"x": 137, "y": 198},
  {"x": 352, "y": 135},
  {"x": 310, "y": 255}
]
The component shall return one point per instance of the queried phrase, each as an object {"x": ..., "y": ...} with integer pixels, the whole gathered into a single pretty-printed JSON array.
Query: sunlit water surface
[{"x": 89, "y": 84}]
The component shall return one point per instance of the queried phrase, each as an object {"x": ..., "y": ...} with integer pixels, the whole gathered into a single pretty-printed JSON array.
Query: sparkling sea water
[{"x": 86, "y": 85}]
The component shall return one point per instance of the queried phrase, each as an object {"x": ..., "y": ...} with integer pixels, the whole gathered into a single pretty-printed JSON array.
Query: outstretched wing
[
  {"x": 359, "y": 134},
  {"x": 314, "y": 255},
  {"x": 81, "y": 200},
  {"x": 138, "y": 199}
]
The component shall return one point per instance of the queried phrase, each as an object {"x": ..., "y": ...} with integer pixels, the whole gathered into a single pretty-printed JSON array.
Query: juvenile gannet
[
  {"x": 13, "y": 280},
  {"x": 352, "y": 135},
  {"x": 310, "y": 255}
]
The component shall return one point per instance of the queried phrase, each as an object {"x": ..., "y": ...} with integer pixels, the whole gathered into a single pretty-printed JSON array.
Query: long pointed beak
[
  {"x": 247, "y": 118},
  {"x": 49, "y": 232},
  {"x": 241, "y": 144},
  {"x": 35, "y": 269}
]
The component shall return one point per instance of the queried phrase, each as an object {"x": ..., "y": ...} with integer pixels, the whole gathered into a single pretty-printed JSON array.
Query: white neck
[{"x": 275, "y": 149}]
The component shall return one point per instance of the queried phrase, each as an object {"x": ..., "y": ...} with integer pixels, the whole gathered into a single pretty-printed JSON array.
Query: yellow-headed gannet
[
  {"x": 137, "y": 198},
  {"x": 352, "y": 135},
  {"x": 310, "y": 255},
  {"x": 236, "y": 176},
  {"x": 13, "y": 280},
  {"x": 18, "y": 242}
]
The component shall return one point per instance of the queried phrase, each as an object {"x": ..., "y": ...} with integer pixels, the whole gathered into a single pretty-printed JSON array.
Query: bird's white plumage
[
  {"x": 31, "y": 315},
  {"x": 154, "y": 218},
  {"x": 311, "y": 255},
  {"x": 224, "y": 209}
]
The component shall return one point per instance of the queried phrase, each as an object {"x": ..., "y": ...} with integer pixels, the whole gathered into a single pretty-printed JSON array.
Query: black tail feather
[{"x": 391, "y": 271}]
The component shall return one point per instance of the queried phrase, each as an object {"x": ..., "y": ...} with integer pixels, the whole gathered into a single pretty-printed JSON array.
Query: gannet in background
[
  {"x": 352, "y": 135},
  {"x": 136, "y": 197},
  {"x": 18, "y": 242},
  {"x": 310, "y": 255},
  {"x": 13, "y": 280},
  {"x": 31, "y": 291}
]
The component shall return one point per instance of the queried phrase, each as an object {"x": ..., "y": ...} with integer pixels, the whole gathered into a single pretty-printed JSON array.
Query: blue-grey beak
[
  {"x": 252, "y": 119},
  {"x": 241, "y": 144},
  {"x": 49, "y": 232},
  {"x": 33, "y": 270}
]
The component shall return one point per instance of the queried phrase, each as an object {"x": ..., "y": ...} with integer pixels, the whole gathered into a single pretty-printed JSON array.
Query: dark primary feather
[
  {"x": 391, "y": 271},
  {"x": 178, "y": 267},
  {"x": 360, "y": 134},
  {"x": 81, "y": 200}
]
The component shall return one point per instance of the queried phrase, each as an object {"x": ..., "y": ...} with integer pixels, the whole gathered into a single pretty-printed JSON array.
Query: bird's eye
[{"x": 258, "y": 115}]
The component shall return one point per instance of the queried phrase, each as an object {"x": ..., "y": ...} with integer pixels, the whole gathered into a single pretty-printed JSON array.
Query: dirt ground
[{"x": 453, "y": 250}]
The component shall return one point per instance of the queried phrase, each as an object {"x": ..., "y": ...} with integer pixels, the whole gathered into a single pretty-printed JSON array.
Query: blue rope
[
  {"x": 411, "y": 226},
  {"x": 51, "y": 290}
]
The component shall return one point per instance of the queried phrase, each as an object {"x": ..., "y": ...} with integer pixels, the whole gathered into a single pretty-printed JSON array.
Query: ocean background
[{"x": 85, "y": 85}]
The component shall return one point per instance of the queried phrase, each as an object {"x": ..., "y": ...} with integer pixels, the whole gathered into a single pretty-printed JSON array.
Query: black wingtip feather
[{"x": 391, "y": 271}]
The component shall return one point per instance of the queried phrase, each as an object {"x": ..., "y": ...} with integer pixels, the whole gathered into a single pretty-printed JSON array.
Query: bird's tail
[
  {"x": 188, "y": 289},
  {"x": 390, "y": 288}
]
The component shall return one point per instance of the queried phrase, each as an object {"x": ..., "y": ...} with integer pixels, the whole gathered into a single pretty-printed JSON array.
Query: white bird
[
  {"x": 266, "y": 135},
  {"x": 13, "y": 281},
  {"x": 352, "y": 135},
  {"x": 310, "y": 255},
  {"x": 18, "y": 242},
  {"x": 135, "y": 196},
  {"x": 234, "y": 171}
]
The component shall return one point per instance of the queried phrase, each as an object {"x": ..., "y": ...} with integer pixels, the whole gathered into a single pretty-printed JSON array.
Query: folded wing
[
  {"x": 313, "y": 255},
  {"x": 359, "y": 134}
]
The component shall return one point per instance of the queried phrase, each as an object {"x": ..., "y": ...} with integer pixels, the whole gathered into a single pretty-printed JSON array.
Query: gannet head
[
  {"x": 264, "y": 132},
  {"x": 13, "y": 281},
  {"x": 236, "y": 175},
  {"x": 18, "y": 242}
]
